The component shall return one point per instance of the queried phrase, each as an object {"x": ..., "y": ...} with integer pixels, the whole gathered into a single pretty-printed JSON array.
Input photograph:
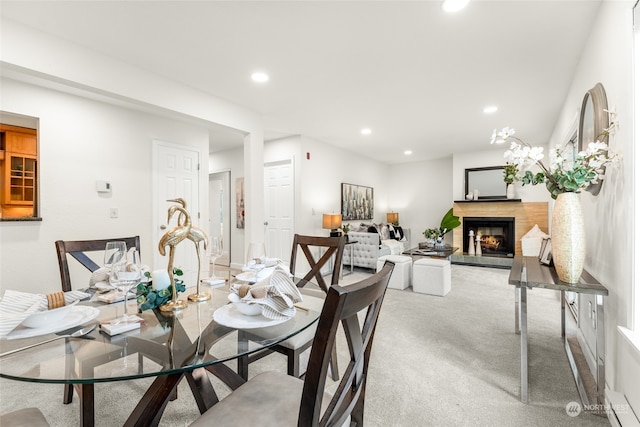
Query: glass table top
[{"x": 166, "y": 343}]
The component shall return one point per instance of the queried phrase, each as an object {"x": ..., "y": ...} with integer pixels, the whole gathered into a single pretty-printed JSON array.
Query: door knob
[
  {"x": 163, "y": 227},
  {"x": 266, "y": 223}
]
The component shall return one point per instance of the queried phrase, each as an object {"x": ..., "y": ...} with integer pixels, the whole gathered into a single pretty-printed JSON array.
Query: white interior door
[
  {"x": 177, "y": 175},
  {"x": 220, "y": 212},
  {"x": 279, "y": 208}
]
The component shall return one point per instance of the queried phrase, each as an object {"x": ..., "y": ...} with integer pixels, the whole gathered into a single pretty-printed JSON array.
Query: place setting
[
  {"x": 258, "y": 265},
  {"x": 125, "y": 272},
  {"x": 26, "y": 315},
  {"x": 268, "y": 302}
]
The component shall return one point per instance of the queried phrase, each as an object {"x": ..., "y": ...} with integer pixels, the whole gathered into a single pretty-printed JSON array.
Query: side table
[
  {"x": 348, "y": 245},
  {"x": 527, "y": 272}
]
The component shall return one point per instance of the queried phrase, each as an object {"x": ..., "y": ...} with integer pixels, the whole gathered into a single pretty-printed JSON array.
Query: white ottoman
[
  {"x": 401, "y": 275},
  {"x": 432, "y": 276}
]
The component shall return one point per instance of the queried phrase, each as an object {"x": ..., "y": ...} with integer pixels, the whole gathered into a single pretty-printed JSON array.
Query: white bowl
[
  {"x": 243, "y": 307},
  {"x": 41, "y": 319},
  {"x": 248, "y": 309}
]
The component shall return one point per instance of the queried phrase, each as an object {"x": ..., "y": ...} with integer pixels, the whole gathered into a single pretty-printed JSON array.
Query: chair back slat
[
  {"x": 342, "y": 306},
  {"x": 334, "y": 246},
  {"x": 77, "y": 249},
  {"x": 83, "y": 259}
]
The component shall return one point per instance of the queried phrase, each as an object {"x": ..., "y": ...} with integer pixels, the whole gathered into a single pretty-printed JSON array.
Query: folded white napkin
[
  {"x": 15, "y": 306},
  {"x": 101, "y": 275},
  {"x": 276, "y": 293}
]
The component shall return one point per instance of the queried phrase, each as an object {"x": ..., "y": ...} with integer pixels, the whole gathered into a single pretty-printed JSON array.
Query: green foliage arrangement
[
  {"x": 510, "y": 171},
  {"x": 566, "y": 173},
  {"x": 448, "y": 223},
  {"x": 149, "y": 298}
]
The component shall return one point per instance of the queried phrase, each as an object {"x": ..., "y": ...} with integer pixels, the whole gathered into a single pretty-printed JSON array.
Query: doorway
[
  {"x": 279, "y": 207},
  {"x": 220, "y": 212},
  {"x": 176, "y": 172}
]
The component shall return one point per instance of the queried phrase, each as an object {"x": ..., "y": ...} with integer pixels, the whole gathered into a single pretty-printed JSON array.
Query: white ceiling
[{"x": 418, "y": 77}]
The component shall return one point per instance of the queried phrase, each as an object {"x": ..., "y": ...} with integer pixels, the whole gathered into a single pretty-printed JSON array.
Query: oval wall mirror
[{"x": 593, "y": 121}]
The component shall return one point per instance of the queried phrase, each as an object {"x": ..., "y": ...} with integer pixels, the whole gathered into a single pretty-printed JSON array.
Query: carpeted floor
[{"x": 436, "y": 361}]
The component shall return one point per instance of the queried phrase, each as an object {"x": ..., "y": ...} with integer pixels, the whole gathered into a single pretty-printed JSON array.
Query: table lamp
[
  {"x": 332, "y": 222},
  {"x": 392, "y": 217}
]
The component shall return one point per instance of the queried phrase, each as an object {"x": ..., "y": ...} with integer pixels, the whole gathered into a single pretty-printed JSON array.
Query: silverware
[
  {"x": 77, "y": 334},
  {"x": 299, "y": 307}
]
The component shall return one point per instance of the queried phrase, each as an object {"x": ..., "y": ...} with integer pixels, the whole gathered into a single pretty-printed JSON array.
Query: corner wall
[
  {"x": 82, "y": 141},
  {"x": 609, "y": 217}
]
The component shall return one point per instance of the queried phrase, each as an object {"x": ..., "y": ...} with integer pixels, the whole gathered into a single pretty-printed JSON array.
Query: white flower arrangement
[{"x": 565, "y": 173}]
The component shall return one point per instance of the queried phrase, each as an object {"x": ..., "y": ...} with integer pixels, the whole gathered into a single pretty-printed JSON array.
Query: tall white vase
[
  {"x": 567, "y": 237},
  {"x": 511, "y": 191}
]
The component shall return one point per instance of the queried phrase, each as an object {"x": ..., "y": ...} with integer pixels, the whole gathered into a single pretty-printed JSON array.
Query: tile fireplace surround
[{"x": 526, "y": 214}]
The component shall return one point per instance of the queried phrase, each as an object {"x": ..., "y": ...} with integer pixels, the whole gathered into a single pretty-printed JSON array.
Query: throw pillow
[
  {"x": 384, "y": 232},
  {"x": 399, "y": 233}
]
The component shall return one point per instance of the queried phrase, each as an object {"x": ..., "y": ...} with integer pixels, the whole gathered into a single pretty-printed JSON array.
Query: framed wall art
[
  {"x": 239, "y": 202},
  {"x": 357, "y": 202}
]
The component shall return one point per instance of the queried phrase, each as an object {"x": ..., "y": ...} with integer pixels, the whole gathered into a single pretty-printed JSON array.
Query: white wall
[
  {"x": 607, "y": 58},
  {"x": 421, "y": 194},
  {"x": 321, "y": 179},
  {"x": 492, "y": 156},
  {"x": 82, "y": 141}
]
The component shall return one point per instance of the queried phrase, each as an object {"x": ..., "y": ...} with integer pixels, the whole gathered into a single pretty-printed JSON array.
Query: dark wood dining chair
[
  {"x": 78, "y": 249},
  {"x": 275, "y": 399},
  {"x": 27, "y": 417},
  {"x": 325, "y": 248}
]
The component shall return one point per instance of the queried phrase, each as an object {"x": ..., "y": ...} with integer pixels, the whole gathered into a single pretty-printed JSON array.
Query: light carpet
[{"x": 436, "y": 361}]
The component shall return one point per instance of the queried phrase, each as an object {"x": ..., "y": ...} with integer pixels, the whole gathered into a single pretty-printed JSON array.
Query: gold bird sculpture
[
  {"x": 172, "y": 238},
  {"x": 196, "y": 235}
]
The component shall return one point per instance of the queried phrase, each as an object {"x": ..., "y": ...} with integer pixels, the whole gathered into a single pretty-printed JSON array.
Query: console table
[{"x": 527, "y": 272}]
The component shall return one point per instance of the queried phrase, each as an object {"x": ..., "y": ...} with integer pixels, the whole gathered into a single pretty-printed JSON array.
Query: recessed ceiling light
[
  {"x": 490, "y": 109},
  {"x": 366, "y": 131},
  {"x": 454, "y": 5},
  {"x": 259, "y": 77},
  {"x": 408, "y": 152}
]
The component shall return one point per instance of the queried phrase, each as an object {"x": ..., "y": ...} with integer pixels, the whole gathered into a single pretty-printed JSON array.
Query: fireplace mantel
[
  {"x": 526, "y": 214},
  {"x": 487, "y": 201}
]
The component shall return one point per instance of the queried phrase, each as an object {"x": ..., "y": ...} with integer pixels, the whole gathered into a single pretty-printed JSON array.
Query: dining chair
[
  {"x": 27, "y": 417},
  {"x": 78, "y": 249},
  {"x": 325, "y": 248},
  {"x": 275, "y": 399}
]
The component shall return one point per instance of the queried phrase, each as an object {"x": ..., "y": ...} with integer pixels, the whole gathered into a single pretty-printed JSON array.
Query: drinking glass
[
  {"x": 215, "y": 252},
  {"x": 256, "y": 257},
  {"x": 124, "y": 275},
  {"x": 114, "y": 252}
]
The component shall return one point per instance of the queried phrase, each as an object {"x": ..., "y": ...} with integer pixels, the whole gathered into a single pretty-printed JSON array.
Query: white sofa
[{"x": 370, "y": 247}]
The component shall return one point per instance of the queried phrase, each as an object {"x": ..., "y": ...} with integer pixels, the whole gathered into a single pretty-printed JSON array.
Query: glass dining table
[{"x": 169, "y": 347}]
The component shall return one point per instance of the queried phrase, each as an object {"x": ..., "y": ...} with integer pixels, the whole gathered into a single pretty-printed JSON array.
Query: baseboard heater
[{"x": 619, "y": 411}]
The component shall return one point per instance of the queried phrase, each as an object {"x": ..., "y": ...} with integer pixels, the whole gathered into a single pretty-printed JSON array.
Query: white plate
[
  {"x": 247, "y": 276},
  {"x": 78, "y": 315},
  {"x": 228, "y": 315}
]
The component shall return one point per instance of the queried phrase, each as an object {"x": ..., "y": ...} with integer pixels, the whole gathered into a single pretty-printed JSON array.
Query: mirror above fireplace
[{"x": 489, "y": 182}]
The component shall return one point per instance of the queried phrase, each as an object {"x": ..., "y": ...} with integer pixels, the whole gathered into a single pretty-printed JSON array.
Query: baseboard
[{"x": 619, "y": 410}]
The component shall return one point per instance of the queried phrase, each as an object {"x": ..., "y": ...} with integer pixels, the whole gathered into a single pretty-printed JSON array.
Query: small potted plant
[
  {"x": 448, "y": 223},
  {"x": 510, "y": 171},
  {"x": 345, "y": 230}
]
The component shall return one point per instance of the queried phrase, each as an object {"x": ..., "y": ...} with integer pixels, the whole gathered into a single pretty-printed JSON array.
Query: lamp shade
[
  {"x": 392, "y": 217},
  {"x": 331, "y": 221}
]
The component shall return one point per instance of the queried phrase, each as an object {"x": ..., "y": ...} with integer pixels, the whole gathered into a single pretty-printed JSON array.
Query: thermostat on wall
[{"x": 103, "y": 187}]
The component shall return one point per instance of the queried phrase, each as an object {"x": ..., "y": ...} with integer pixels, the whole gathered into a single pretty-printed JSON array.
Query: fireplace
[{"x": 497, "y": 235}]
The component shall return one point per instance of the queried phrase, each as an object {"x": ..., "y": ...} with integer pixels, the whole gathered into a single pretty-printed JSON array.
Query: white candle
[{"x": 160, "y": 280}]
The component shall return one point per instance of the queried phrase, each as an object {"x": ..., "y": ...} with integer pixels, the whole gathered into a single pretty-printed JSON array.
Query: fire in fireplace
[{"x": 497, "y": 234}]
